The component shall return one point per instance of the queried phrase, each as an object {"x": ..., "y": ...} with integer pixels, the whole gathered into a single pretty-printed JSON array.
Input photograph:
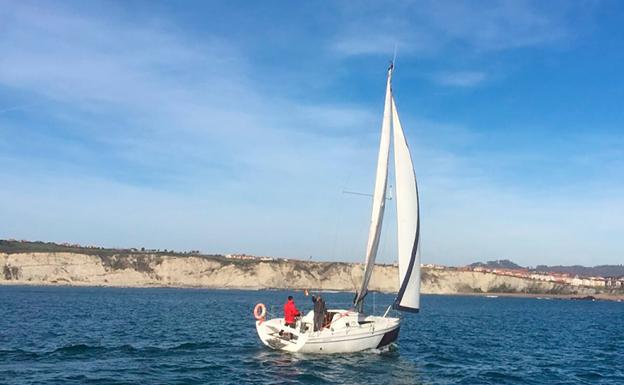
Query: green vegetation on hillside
[{"x": 13, "y": 246}]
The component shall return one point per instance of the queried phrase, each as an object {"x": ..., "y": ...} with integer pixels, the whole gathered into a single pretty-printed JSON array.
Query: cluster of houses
[
  {"x": 249, "y": 257},
  {"x": 432, "y": 266},
  {"x": 563, "y": 278}
]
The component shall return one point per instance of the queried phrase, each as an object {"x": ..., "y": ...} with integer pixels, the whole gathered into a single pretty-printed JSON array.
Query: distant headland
[{"x": 46, "y": 263}]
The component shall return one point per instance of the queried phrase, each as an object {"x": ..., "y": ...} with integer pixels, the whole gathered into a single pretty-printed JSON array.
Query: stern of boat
[{"x": 275, "y": 335}]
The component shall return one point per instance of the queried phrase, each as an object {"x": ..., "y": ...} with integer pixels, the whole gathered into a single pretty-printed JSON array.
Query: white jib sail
[
  {"x": 408, "y": 221},
  {"x": 379, "y": 195}
]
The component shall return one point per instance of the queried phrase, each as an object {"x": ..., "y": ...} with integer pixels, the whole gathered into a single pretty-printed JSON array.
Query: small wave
[
  {"x": 194, "y": 346},
  {"x": 79, "y": 349},
  {"x": 17, "y": 355},
  {"x": 84, "y": 349}
]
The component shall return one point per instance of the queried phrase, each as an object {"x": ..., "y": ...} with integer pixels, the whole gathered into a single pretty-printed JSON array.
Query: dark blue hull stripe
[
  {"x": 348, "y": 339},
  {"x": 409, "y": 309},
  {"x": 389, "y": 338}
]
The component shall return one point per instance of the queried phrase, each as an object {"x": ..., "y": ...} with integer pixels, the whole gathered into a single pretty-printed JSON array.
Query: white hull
[{"x": 348, "y": 332}]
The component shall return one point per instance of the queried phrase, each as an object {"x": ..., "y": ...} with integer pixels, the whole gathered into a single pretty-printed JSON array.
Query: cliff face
[
  {"x": 188, "y": 271},
  {"x": 139, "y": 270}
]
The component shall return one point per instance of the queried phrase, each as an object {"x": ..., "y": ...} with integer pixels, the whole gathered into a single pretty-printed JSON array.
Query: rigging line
[
  {"x": 356, "y": 193},
  {"x": 388, "y": 196}
]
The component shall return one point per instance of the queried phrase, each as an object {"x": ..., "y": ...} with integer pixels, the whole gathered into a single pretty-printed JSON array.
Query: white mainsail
[
  {"x": 408, "y": 215},
  {"x": 379, "y": 195},
  {"x": 408, "y": 221}
]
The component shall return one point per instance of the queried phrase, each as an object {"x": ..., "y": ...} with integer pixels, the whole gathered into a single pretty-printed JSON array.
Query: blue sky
[{"x": 235, "y": 126}]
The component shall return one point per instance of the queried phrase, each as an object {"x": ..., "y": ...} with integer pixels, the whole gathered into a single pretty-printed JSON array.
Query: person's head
[{"x": 290, "y": 298}]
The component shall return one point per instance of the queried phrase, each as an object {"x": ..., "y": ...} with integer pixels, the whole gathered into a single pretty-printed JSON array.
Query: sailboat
[{"x": 352, "y": 330}]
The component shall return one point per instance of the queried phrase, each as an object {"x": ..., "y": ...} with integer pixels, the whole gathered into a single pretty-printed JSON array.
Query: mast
[{"x": 379, "y": 195}]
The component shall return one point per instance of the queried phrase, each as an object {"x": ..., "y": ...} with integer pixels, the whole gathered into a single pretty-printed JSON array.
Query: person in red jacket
[{"x": 290, "y": 312}]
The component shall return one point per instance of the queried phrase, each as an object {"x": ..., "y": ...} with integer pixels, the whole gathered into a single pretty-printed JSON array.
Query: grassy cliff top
[{"x": 13, "y": 246}]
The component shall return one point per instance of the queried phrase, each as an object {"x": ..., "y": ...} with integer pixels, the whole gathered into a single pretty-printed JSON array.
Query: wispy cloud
[
  {"x": 498, "y": 26},
  {"x": 431, "y": 27},
  {"x": 135, "y": 112},
  {"x": 460, "y": 79},
  {"x": 357, "y": 43},
  {"x": 156, "y": 99}
]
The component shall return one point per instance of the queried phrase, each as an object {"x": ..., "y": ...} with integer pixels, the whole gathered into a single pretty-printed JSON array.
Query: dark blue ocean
[{"x": 62, "y": 335}]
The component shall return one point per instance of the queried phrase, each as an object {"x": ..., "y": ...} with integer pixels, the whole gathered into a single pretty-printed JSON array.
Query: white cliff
[{"x": 143, "y": 270}]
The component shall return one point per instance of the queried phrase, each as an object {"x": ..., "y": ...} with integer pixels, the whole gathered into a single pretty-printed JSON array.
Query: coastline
[
  {"x": 599, "y": 297},
  {"x": 136, "y": 270}
]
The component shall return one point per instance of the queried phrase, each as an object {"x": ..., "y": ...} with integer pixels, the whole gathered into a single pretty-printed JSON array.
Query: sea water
[{"x": 69, "y": 335}]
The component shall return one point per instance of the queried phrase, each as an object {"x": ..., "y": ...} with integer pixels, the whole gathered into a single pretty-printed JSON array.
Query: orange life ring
[{"x": 260, "y": 311}]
